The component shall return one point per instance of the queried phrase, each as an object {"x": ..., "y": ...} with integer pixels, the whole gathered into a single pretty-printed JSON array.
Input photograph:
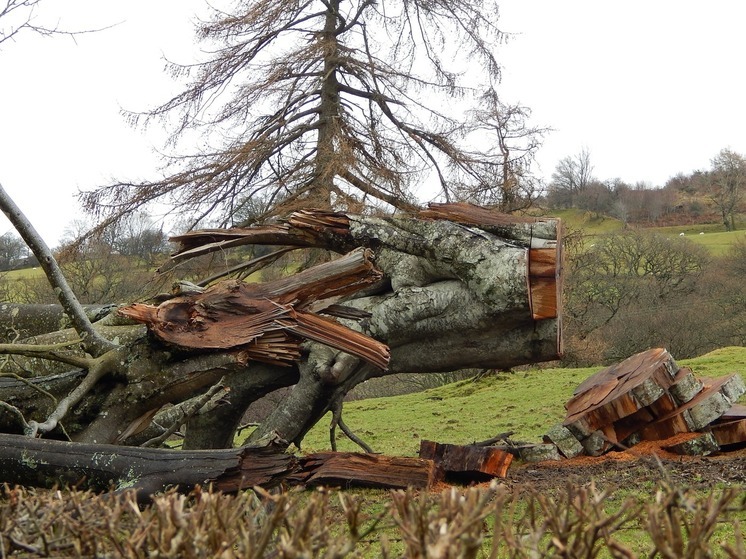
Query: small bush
[{"x": 493, "y": 522}]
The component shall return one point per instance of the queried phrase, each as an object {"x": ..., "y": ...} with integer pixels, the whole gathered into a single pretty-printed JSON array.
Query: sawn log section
[
  {"x": 648, "y": 397},
  {"x": 472, "y": 462}
]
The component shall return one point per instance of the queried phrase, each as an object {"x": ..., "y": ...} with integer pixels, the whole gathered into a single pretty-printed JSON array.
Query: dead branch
[
  {"x": 98, "y": 367},
  {"x": 94, "y": 342},
  {"x": 193, "y": 406},
  {"x": 49, "y": 352}
]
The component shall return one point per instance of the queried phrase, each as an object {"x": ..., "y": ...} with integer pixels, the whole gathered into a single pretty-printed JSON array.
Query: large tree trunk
[{"x": 454, "y": 287}]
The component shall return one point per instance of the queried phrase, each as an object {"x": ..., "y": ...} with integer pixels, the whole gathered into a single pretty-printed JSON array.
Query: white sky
[{"x": 651, "y": 88}]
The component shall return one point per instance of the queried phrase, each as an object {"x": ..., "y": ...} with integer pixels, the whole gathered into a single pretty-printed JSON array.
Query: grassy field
[
  {"x": 527, "y": 402},
  {"x": 710, "y": 235}
]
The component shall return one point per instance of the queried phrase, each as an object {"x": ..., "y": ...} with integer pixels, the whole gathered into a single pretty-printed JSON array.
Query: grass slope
[
  {"x": 712, "y": 236},
  {"x": 527, "y": 402}
]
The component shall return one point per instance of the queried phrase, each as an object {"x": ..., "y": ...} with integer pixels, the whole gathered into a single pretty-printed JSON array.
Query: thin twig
[
  {"x": 188, "y": 411},
  {"x": 15, "y": 411},
  {"x": 48, "y": 352},
  {"x": 30, "y": 384},
  {"x": 96, "y": 344},
  {"x": 502, "y": 437}
]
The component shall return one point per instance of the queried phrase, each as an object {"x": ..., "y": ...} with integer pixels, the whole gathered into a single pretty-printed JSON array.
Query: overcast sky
[{"x": 650, "y": 88}]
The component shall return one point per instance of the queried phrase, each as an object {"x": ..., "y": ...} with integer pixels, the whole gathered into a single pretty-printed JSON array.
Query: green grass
[
  {"x": 24, "y": 274},
  {"x": 527, "y": 402},
  {"x": 717, "y": 363},
  {"x": 715, "y": 239},
  {"x": 588, "y": 222}
]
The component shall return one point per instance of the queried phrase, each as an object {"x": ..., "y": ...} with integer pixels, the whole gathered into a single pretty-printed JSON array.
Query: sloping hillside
[{"x": 526, "y": 402}]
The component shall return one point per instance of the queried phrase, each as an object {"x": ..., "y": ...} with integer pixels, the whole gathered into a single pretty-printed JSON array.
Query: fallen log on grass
[{"x": 101, "y": 467}]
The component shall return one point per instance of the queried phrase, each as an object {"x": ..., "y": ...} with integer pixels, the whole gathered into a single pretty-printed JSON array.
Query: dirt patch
[{"x": 635, "y": 468}]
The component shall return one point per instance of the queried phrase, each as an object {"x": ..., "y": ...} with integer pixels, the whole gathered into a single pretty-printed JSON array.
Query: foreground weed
[
  {"x": 682, "y": 526},
  {"x": 492, "y": 522}
]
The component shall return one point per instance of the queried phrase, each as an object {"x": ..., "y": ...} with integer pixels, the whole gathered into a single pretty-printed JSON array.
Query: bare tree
[
  {"x": 137, "y": 235},
  {"x": 505, "y": 180},
  {"x": 572, "y": 175},
  {"x": 320, "y": 103},
  {"x": 20, "y": 16},
  {"x": 12, "y": 248},
  {"x": 622, "y": 279},
  {"x": 727, "y": 182}
]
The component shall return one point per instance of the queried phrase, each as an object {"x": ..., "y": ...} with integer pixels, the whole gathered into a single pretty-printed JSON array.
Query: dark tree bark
[{"x": 45, "y": 463}]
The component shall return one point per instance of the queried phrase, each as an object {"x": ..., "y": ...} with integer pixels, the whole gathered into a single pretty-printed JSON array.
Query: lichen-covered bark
[
  {"x": 217, "y": 428},
  {"x": 19, "y": 322},
  {"x": 453, "y": 295}
]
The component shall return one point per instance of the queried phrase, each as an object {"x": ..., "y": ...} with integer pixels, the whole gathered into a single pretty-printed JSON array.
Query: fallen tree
[{"x": 455, "y": 286}]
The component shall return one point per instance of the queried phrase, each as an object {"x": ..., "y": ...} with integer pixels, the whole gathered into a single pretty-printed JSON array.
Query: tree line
[
  {"x": 626, "y": 292},
  {"x": 703, "y": 196}
]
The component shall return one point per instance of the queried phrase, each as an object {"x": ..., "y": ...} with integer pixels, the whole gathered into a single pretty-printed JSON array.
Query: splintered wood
[
  {"x": 540, "y": 238},
  {"x": 267, "y": 321},
  {"x": 347, "y": 469},
  {"x": 649, "y": 397}
]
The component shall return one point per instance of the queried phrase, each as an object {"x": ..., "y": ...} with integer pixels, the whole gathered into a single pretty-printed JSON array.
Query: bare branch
[
  {"x": 186, "y": 410},
  {"x": 97, "y": 369},
  {"x": 20, "y": 16},
  {"x": 49, "y": 352},
  {"x": 92, "y": 340}
]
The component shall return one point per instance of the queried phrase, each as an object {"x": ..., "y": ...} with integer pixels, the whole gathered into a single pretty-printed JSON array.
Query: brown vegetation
[{"x": 493, "y": 521}]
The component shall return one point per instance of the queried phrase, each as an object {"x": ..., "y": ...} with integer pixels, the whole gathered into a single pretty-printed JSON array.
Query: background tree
[
  {"x": 572, "y": 175},
  {"x": 627, "y": 292},
  {"x": 727, "y": 182},
  {"x": 320, "y": 103},
  {"x": 138, "y": 236},
  {"x": 12, "y": 248},
  {"x": 505, "y": 180}
]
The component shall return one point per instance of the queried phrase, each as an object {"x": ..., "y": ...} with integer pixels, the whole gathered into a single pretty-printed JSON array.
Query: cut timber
[
  {"x": 564, "y": 440},
  {"x": 706, "y": 407},
  {"x": 730, "y": 428},
  {"x": 45, "y": 463},
  {"x": 349, "y": 469},
  {"x": 700, "y": 445},
  {"x": 620, "y": 391},
  {"x": 470, "y": 461},
  {"x": 686, "y": 386},
  {"x": 648, "y": 397},
  {"x": 542, "y": 238},
  {"x": 540, "y": 453}
]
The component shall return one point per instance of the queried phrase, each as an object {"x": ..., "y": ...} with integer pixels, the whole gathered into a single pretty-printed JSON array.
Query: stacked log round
[{"x": 649, "y": 397}]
